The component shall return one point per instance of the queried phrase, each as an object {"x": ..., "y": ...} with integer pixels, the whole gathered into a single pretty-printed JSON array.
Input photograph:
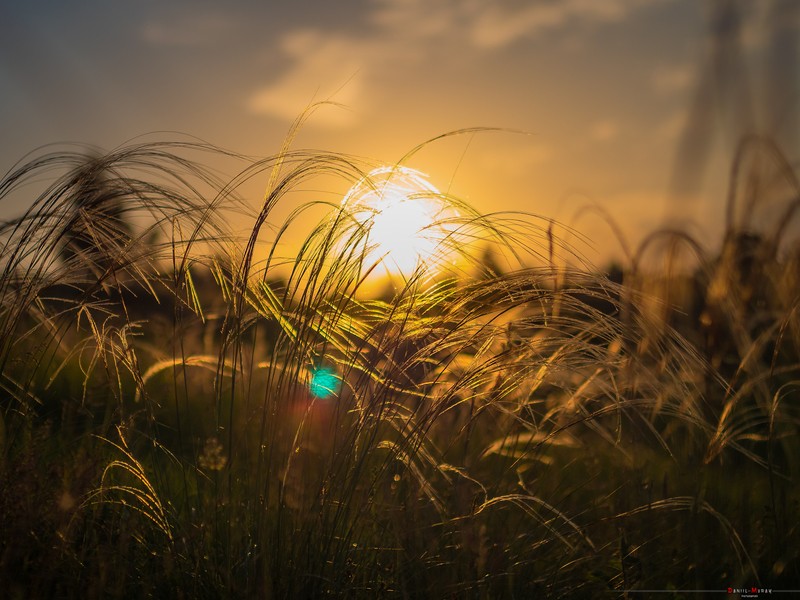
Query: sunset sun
[{"x": 404, "y": 217}]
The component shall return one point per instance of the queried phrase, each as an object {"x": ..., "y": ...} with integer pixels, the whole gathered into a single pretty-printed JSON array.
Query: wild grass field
[{"x": 186, "y": 413}]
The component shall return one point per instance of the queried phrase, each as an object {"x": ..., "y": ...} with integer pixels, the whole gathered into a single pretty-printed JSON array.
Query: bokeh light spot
[{"x": 323, "y": 382}]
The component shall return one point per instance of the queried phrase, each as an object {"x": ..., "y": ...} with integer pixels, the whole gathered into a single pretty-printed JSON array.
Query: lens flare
[{"x": 323, "y": 382}]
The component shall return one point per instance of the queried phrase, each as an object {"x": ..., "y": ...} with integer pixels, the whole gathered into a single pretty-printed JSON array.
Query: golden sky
[{"x": 616, "y": 97}]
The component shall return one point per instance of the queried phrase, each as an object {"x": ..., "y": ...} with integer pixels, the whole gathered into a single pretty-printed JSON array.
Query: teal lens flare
[{"x": 323, "y": 382}]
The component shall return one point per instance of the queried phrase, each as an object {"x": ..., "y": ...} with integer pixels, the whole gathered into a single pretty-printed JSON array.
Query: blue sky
[{"x": 604, "y": 89}]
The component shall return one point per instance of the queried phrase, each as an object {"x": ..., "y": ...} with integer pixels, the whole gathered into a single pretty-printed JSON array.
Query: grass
[{"x": 187, "y": 414}]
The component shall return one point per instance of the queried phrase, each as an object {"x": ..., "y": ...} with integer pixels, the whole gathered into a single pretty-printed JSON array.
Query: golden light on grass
[
  {"x": 405, "y": 219},
  {"x": 394, "y": 445}
]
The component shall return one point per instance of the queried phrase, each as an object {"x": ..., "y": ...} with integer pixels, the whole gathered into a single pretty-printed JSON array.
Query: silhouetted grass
[{"x": 514, "y": 425}]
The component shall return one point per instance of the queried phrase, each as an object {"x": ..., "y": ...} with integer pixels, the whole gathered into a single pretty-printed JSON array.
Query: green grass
[{"x": 187, "y": 414}]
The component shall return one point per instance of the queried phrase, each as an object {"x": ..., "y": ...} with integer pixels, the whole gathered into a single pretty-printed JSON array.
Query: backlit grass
[{"x": 186, "y": 412}]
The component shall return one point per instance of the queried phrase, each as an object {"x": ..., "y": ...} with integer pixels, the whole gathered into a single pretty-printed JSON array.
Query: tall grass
[{"x": 186, "y": 413}]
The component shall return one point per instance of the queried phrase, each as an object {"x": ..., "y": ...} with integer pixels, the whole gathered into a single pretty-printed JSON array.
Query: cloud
[
  {"x": 323, "y": 68},
  {"x": 420, "y": 18},
  {"x": 496, "y": 25},
  {"x": 339, "y": 66},
  {"x": 491, "y": 25}
]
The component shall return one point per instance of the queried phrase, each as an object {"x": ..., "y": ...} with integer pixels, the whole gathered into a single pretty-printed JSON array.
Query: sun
[{"x": 404, "y": 217}]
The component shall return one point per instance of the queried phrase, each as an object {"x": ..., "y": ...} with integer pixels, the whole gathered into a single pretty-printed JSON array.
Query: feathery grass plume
[
  {"x": 139, "y": 494},
  {"x": 506, "y": 428}
]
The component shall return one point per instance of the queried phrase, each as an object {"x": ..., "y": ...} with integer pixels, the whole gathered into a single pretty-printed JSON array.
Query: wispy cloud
[
  {"x": 323, "y": 67},
  {"x": 488, "y": 25},
  {"x": 498, "y": 25},
  {"x": 341, "y": 66},
  {"x": 421, "y": 18}
]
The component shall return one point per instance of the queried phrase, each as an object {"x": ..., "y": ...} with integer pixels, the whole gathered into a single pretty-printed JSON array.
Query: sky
[{"x": 635, "y": 106}]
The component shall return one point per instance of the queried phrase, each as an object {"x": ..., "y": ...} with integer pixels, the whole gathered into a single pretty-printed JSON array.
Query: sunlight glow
[{"x": 405, "y": 217}]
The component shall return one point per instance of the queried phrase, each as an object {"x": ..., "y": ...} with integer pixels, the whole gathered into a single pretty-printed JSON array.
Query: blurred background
[{"x": 635, "y": 106}]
